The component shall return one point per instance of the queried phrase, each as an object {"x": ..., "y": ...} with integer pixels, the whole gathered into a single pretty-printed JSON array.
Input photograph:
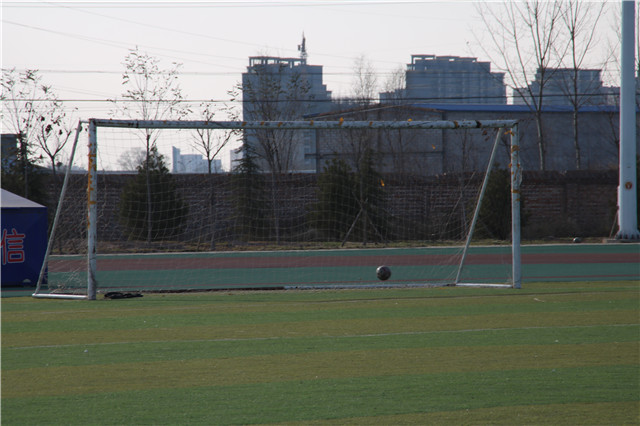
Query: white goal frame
[{"x": 511, "y": 126}]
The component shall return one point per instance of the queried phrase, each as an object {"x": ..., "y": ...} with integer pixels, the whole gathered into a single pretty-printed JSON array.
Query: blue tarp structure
[{"x": 24, "y": 239}]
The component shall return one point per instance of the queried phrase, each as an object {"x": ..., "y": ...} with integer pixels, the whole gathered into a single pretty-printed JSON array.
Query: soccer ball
[{"x": 383, "y": 272}]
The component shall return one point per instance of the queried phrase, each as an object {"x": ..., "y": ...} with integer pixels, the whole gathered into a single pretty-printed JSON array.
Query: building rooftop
[
  {"x": 514, "y": 108},
  {"x": 275, "y": 60}
]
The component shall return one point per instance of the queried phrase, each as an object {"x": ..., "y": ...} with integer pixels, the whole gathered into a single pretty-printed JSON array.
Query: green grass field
[{"x": 550, "y": 353}]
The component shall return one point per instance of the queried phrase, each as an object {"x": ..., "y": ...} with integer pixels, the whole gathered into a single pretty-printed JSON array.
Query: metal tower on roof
[{"x": 302, "y": 48}]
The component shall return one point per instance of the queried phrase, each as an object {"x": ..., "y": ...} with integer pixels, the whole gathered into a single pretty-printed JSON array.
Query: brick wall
[
  {"x": 575, "y": 203},
  {"x": 570, "y": 203}
]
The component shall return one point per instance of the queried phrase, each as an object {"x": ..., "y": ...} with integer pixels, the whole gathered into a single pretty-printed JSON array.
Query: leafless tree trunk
[
  {"x": 275, "y": 92},
  {"x": 395, "y": 87},
  {"x": 54, "y": 129},
  {"x": 579, "y": 19},
  {"x": 32, "y": 110},
  {"x": 365, "y": 82},
  {"x": 210, "y": 142},
  {"x": 522, "y": 43},
  {"x": 399, "y": 145},
  {"x": 148, "y": 182},
  {"x": 151, "y": 93}
]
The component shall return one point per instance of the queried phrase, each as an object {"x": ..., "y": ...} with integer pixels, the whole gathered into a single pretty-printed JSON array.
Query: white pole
[
  {"x": 92, "y": 212},
  {"x": 516, "y": 178},
  {"x": 59, "y": 296},
  {"x": 54, "y": 226},
  {"x": 627, "y": 198},
  {"x": 308, "y": 124}
]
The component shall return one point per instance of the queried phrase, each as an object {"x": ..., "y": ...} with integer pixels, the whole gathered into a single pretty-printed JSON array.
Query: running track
[{"x": 182, "y": 271}]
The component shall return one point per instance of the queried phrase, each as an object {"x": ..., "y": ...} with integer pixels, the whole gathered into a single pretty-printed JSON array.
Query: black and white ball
[{"x": 383, "y": 273}]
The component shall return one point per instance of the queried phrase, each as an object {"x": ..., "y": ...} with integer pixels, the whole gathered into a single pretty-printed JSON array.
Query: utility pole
[{"x": 627, "y": 190}]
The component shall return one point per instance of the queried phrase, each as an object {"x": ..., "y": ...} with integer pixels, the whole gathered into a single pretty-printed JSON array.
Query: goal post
[
  {"x": 142, "y": 253},
  {"x": 516, "y": 179},
  {"x": 43, "y": 270}
]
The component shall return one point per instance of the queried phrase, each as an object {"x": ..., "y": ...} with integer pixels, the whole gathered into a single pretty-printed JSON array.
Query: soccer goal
[{"x": 305, "y": 204}]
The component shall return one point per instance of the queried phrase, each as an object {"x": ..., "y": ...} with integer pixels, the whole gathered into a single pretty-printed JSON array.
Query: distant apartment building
[
  {"x": 451, "y": 80},
  {"x": 436, "y": 88},
  {"x": 278, "y": 87},
  {"x": 565, "y": 86},
  {"x": 283, "y": 89},
  {"x": 193, "y": 163}
]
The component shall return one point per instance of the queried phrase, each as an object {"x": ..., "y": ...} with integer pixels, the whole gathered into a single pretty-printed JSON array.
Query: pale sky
[{"x": 79, "y": 46}]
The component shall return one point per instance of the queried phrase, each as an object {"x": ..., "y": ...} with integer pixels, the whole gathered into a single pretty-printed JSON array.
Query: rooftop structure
[
  {"x": 451, "y": 79},
  {"x": 559, "y": 88},
  {"x": 290, "y": 79}
]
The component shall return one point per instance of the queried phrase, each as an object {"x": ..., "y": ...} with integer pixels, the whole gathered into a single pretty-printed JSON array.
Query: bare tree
[
  {"x": 210, "y": 142},
  {"x": 522, "y": 43},
  {"x": 579, "y": 19},
  {"x": 364, "y": 145},
  {"x": 364, "y": 82},
  {"x": 24, "y": 98},
  {"x": 31, "y": 110},
  {"x": 54, "y": 131},
  {"x": 151, "y": 93},
  {"x": 364, "y": 87},
  {"x": 394, "y": 87},
  {"x": 132, "y": 158},
  {"x": 406, "y": 151},
  {"x": 274, "y": 92},
  {"x": 274, "y": 89}
]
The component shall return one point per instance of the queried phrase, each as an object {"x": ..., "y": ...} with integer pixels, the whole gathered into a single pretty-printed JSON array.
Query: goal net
[{"x": 150, "y": 206}]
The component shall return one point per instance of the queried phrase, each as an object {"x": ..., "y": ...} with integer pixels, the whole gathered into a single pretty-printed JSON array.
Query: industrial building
[
  {"x": 567, "y": 86},
  {"x": 450, "y": 79}
]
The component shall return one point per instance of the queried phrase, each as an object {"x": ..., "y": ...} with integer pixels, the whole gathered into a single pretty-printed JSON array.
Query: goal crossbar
[
  {"x": 510, "y": 125},
  {"x": 307, "y": 124}
]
